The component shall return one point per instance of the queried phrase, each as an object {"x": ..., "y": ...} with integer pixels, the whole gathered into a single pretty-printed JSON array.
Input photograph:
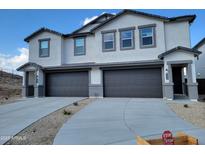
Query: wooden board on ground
[{"x": 180, "y": 139}]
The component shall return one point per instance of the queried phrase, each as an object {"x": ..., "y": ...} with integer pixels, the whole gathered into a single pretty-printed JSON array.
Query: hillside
[{"x": 10, "y": 87}]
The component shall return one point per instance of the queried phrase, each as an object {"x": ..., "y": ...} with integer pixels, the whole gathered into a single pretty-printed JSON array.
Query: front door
[
  {"x": 177, "y": 79},
  {"x": 30, "y": 81}
]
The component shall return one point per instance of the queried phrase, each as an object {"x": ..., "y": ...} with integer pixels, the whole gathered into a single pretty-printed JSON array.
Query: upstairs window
[
  {"x": 44, "y": 47},
  {"x": 147, "y": 37},
  {"x": 79, "y": 46},
  {"x": 108, "y": 41},
  {"x": 127, "y": 39}
]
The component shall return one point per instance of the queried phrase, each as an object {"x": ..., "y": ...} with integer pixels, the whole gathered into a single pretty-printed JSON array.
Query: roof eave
[
  {"x": 189, "y": 18},
  {"x": 77, "y": 35},
  {"x": 199, "y": 44},
  {"x": 20, "y": 68}
]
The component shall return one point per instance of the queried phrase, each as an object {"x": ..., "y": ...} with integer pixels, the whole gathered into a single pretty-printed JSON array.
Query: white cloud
[
  {"x": 9, "y": 62},
  {"x": 87, "y": 20}
]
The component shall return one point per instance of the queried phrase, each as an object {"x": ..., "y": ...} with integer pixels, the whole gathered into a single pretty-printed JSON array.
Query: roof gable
[
  {"x": 43, "y": 29},
  {"x": 100, "y": 19},
  {"x": 180, "y": 48},
  {"x": 199, "y": 44},
  {"x": 100, "y": 22},
  {"x": 29, "y": 64},
  {"x": 189, "y": 18}
]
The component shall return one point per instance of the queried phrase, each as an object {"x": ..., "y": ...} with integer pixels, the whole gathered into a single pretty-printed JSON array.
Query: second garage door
[
  {"x": 65, "y": 84},
  {"x": 140, "y": 82}
]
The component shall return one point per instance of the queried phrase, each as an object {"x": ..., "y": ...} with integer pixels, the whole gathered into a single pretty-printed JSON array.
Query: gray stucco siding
[{"x": 55, "y": 50}]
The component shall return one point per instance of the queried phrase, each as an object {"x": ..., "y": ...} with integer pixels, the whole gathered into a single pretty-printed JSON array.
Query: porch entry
[{"x": 179, "y": 77}]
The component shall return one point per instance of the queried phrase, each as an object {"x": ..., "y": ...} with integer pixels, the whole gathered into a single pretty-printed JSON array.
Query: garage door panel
[
  {"x": 67, "y": 84},
  {"x": 133, "y": 83}
]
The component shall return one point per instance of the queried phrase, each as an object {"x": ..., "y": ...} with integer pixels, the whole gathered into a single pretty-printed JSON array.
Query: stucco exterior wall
[
  {"x": 177, "y": 34},
  {"x": 96, "y": 76},
  {"x": 200, "y": 64},
  {"x": 68, "y": 52},
  {"x": 94, "y": 51},
  {"x": 88, "y": 28},
  {"x": 55, "y": 50},
  {"x": 62, "y": 50}
]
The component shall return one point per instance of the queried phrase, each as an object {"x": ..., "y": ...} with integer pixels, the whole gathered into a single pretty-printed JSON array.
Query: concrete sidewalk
[
  {"x": 120, "y": 120},
  {"x": 15, "y": 117}
]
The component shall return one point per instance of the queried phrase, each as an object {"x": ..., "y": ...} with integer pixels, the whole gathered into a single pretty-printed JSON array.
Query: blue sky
[{"x": 15, "y": 25}]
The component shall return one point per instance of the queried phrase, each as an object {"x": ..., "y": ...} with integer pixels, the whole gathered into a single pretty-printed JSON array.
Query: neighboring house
[
  {"x": 130, "y": 54},
  {"x": 200, "y": 67}
]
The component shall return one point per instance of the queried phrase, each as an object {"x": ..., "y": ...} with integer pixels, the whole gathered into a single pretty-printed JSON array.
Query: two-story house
[
  {"x": 130, "y": 54},
  {"x": 200, "y": 67}
]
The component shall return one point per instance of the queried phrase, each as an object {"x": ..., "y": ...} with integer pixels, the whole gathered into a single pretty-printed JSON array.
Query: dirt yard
[
  {"x": 10, "y": 87},
  {"x": 43, "y": 131},
  {"x": 194, "y": 113}
]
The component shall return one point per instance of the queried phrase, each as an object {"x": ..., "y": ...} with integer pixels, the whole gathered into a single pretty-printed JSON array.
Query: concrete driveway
[
  {"x": 120, "y": 120},
  {"x": 16, "y": 116}
]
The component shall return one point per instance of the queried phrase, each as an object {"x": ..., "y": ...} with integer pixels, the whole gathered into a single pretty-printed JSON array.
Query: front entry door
[
  {"x": 177, "y": 79},
  {"x": 30, "y": 81}
]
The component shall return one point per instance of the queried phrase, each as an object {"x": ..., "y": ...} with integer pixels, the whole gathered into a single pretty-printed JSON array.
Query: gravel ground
[
  {"x": 194, "y": 113},
  {"x": 43, "y": 131},
  {"x": 12, "y": 99},
  {"x": 10, "y": 87}
]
